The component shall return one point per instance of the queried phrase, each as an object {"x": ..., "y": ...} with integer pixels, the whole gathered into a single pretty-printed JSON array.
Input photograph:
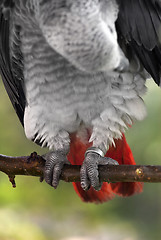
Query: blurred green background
[{"x": 35, "y": 211}]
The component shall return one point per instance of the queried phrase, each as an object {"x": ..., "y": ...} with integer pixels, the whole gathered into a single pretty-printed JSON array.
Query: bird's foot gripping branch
[
  {"x": 75, "y": 74},
  {"x": 34, "y": 164}
]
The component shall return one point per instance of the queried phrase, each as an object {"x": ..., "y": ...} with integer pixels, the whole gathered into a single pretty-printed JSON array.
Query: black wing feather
[
  {"x": 11, "y": 68},
  {"x": 139, "y": 27}
]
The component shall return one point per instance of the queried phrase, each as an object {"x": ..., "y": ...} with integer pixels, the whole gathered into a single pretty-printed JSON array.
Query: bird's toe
[
  {"x": 89, "y": 171},
  {"x": 53, "y": 167}
]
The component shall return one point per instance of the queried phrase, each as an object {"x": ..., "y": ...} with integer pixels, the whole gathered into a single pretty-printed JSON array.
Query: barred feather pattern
[{"x": 61, "y": 98}]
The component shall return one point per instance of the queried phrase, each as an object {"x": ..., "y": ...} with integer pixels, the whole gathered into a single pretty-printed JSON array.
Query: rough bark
[{"x": 33, "y": 165}]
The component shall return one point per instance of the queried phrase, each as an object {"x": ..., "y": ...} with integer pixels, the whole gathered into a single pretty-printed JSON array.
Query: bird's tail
[{"x": 121, "y": 153}]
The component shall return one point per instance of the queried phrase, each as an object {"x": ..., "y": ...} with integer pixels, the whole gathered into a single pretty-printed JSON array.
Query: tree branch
[{"x": 33, "y": 165}]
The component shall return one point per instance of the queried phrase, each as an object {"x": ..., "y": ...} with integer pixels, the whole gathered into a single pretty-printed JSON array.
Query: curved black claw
[
  {"x": 89, "y": 170},
  {"x": 53, "y": 167}
]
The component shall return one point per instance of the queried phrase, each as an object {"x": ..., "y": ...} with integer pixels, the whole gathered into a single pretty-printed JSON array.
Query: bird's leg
[
  {"x": 89, "y": 171},
  {"x": 101, "y": 138},
  {"x": 56, "y": 159}
]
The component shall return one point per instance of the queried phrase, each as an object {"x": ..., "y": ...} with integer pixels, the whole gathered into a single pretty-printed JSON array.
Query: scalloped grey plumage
[{"x": 64, "y": 70}]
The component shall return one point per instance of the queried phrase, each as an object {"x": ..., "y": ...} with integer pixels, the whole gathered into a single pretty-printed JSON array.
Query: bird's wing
[
  {"x": 11, "y": 62},
  {"x": 139, "y": 27}
]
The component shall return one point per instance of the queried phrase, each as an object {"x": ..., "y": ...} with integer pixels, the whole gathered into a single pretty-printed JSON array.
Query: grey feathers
[{"x": 58, "y": 60}]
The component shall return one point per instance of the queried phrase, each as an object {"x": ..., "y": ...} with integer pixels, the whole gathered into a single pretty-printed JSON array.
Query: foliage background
[{"x": 35, "y": 211}]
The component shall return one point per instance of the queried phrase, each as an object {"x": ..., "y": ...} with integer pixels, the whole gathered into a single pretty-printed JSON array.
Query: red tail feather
[
  {"x": 91, "y": 195},
  {"x": 122, "y": 153}
]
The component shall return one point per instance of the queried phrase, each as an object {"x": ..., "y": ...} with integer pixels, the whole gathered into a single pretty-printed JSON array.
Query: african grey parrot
[{"x": 75, "y": 71}]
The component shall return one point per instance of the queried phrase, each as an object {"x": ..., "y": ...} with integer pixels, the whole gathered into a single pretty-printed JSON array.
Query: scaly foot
[
  {"x": 89, "y": 170},
  {"x": 53, "y": 167}
]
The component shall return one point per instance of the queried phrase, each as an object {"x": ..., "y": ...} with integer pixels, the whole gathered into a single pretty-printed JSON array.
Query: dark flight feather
[
  {"x": 139, "y": 28},
  {"x": 11, "y": 67}
]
